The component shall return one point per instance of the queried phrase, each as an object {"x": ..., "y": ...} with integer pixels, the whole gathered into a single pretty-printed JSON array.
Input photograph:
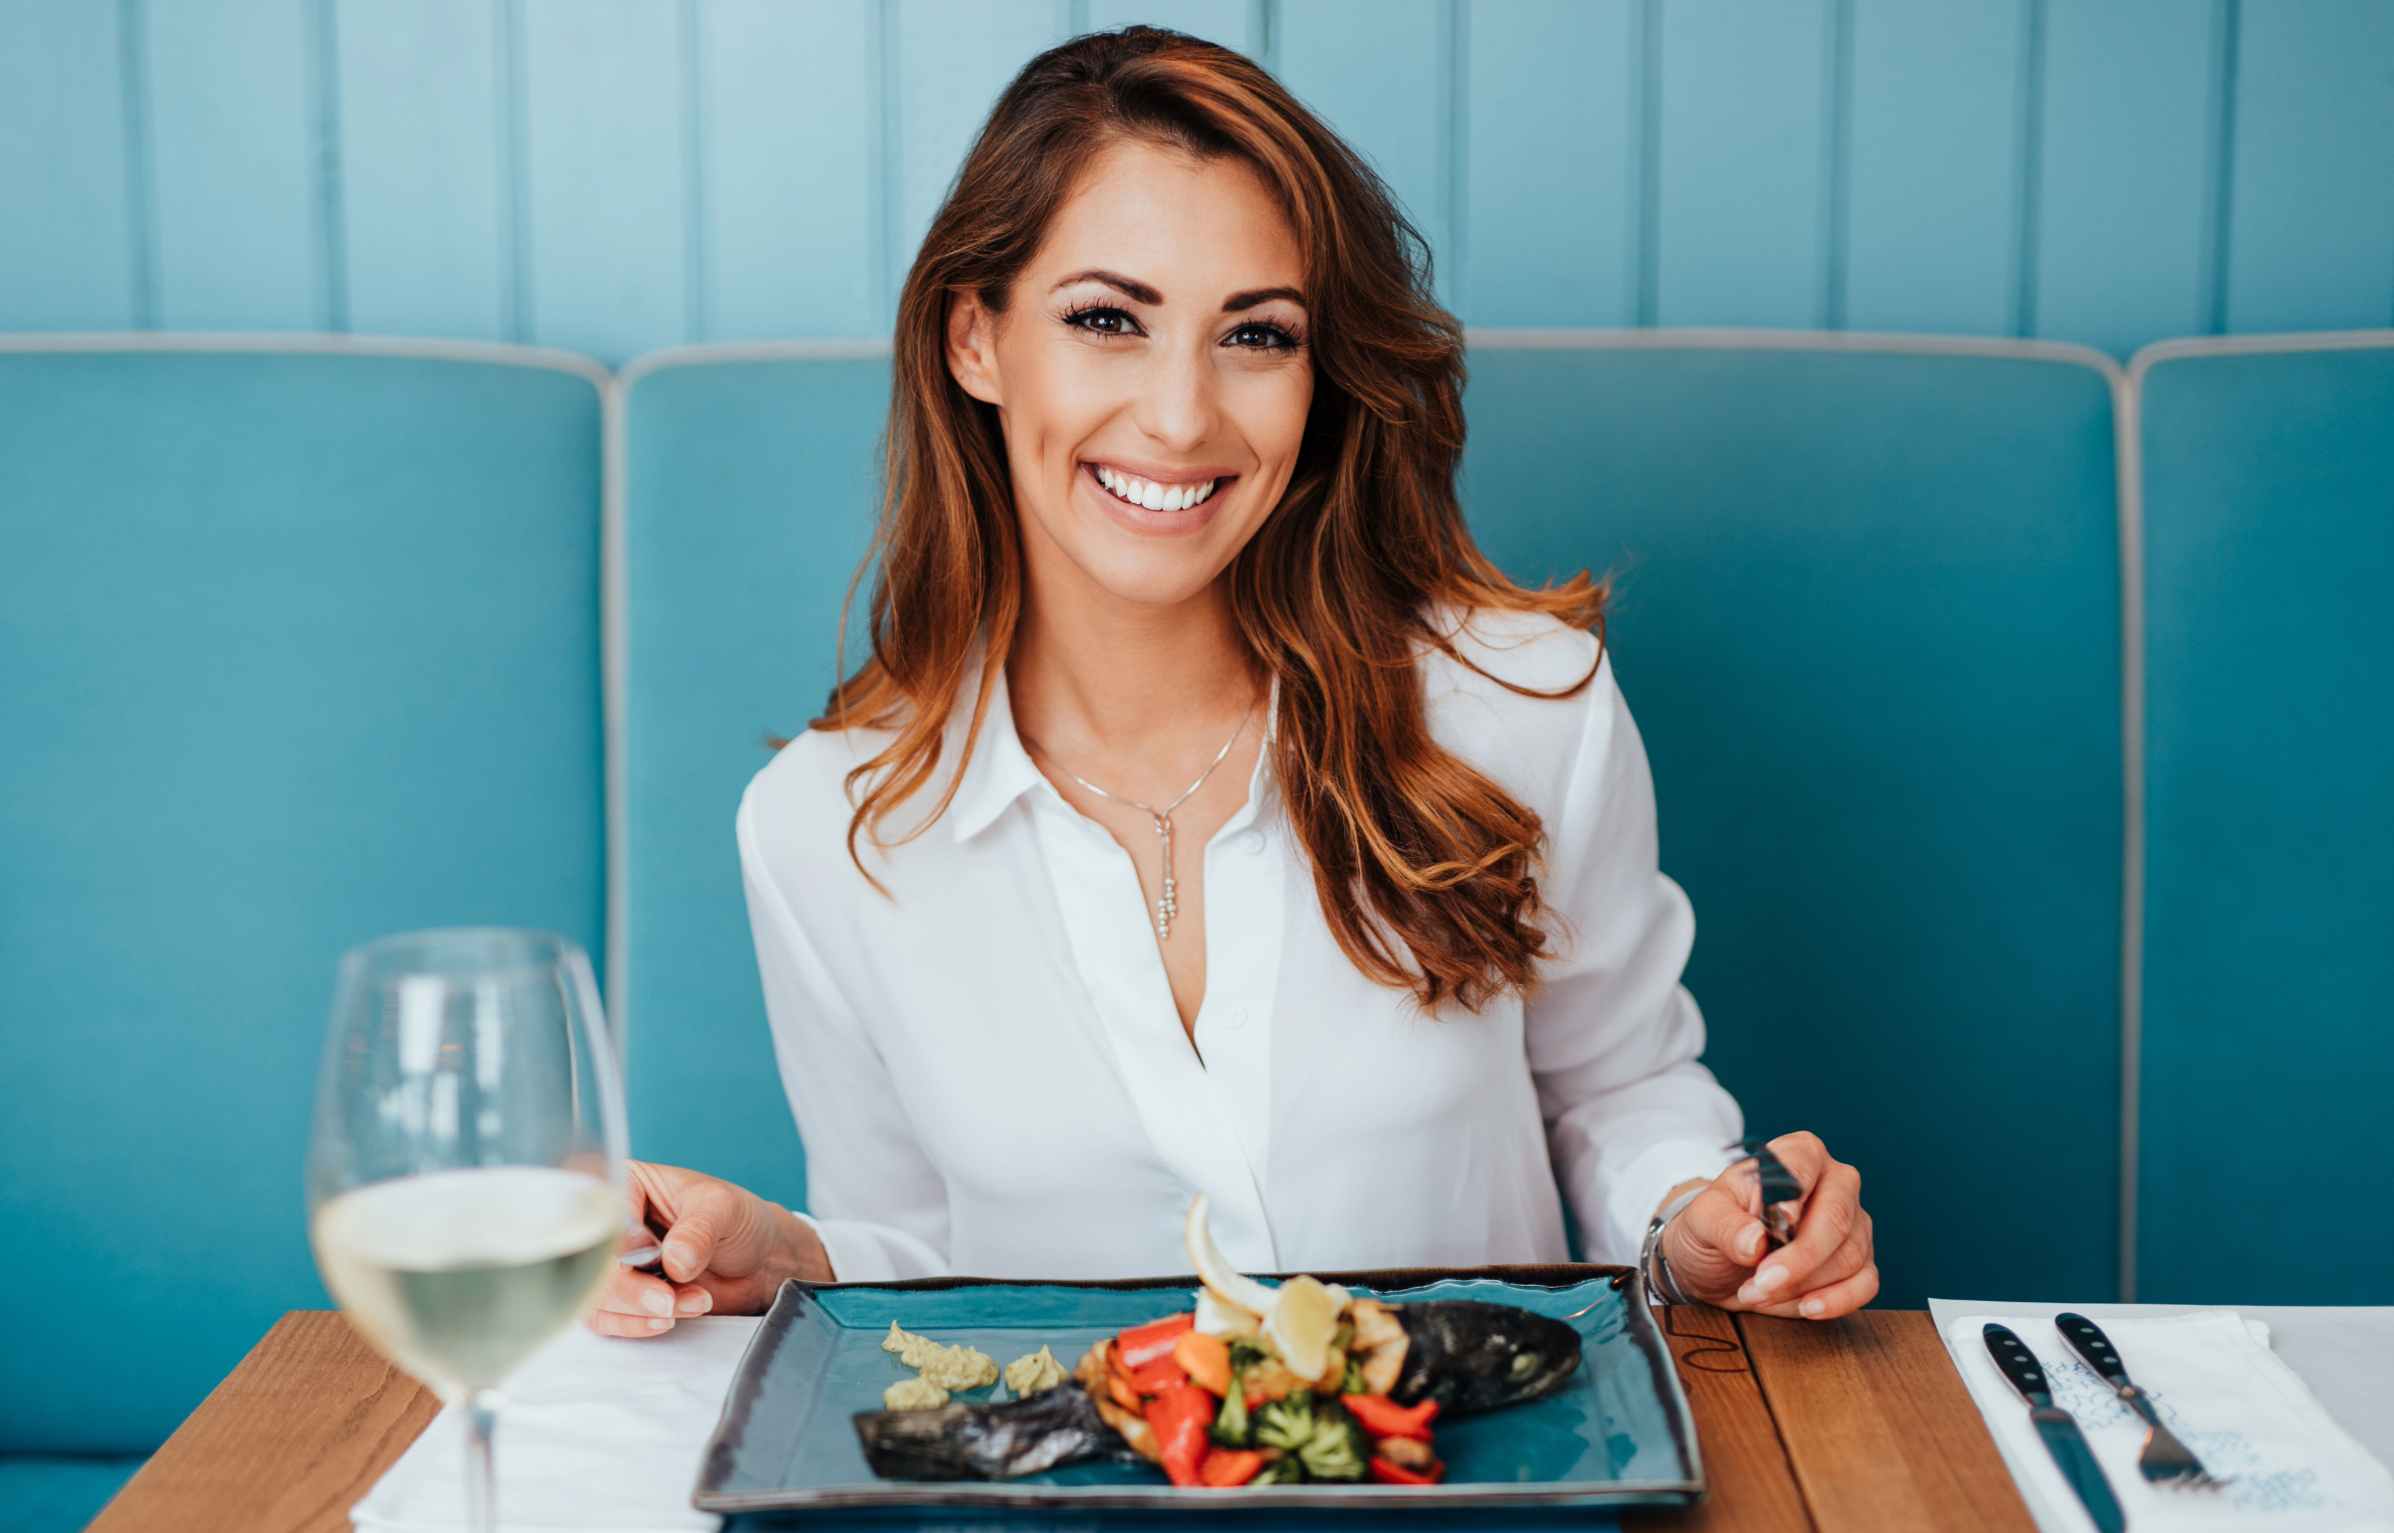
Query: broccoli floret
[
  {"x": 1352, "y": 1384},
  {"x": 1337, "y": 1448},
  {"x": 1286, "y": 1422},
  {"x": 1281, "y": 1471},
  {"x": 1231, "y": 1427},
  {"x": 1245, "y": 1354}
]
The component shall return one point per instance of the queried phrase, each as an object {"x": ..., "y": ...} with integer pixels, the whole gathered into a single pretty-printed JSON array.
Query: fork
[{"x": 2163, "y": 1460}]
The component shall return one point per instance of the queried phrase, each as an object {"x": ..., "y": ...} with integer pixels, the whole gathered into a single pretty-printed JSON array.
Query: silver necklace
[{"x": 1166, "y": 904}]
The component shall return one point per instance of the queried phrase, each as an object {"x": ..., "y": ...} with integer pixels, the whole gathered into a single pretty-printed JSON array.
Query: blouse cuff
[
  {"x": 1637, "y": 1189},
  {"x": 863, "y": 1252}
]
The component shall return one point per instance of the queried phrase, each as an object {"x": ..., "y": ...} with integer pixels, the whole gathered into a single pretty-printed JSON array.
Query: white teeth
[{"x": 1154, "y": 497}]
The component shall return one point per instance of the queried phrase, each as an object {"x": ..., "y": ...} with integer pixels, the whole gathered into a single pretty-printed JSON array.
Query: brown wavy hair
[{"x": 1334, "y": 594}]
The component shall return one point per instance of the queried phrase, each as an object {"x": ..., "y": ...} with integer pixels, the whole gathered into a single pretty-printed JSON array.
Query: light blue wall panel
[
  {"x": 235, "y": 151},
  {"x": 789, "y": 110},
  {"x": 66, "y": 252},
  {"x": 1742, "y": 229},
  {"x": 1934, "y": 178},
  {"x": 424, "y": 190},
  {"x": 2312, "y": 241},
  {"x": 951, "y": 58},
  {"x": 605, "y": 159},
  {"x": 1550, "y": 162},
  {"x": 1232, "y": 23},
  {"x": 1390, "y": 98},
  {"x": 2125, "y": 173}
]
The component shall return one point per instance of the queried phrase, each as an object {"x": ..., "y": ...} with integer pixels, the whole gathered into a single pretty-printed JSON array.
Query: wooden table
[{"x": 1857, "y": 1423}]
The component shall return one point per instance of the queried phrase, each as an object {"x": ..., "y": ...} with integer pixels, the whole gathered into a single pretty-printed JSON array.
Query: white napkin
[
  {"x": 597, "y": 1432},
  {"x": 2221, "y": 1389}
]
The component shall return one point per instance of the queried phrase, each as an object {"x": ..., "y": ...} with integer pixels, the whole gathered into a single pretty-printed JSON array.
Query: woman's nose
[{"x": 1176, "y": 399}]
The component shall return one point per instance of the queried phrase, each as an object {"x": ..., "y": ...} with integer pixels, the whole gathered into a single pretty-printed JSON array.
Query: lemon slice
[{"x": 1302, "y": 1325}]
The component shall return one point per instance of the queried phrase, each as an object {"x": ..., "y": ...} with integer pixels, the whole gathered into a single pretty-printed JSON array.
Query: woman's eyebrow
[{"x": 1142, "y": 293}]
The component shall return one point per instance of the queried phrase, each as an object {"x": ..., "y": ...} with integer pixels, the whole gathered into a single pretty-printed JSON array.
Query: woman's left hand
[{"x": 1719, "y": 1253}]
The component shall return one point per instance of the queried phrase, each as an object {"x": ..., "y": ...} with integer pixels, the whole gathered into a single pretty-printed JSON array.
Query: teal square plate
[{"x": 1617, "y": 1434}]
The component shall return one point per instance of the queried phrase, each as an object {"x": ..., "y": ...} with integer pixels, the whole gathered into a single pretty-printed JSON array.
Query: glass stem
[{"x": 482, "y": 1485}]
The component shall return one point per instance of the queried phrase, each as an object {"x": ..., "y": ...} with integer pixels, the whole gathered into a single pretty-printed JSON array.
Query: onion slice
[{"x": 1222, "y": 1280}]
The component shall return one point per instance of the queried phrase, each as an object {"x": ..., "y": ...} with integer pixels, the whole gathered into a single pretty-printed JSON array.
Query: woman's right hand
[{"x": 727, "y": 1252}]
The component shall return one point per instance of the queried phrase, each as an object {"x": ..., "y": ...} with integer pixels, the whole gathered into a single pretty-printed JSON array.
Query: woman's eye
[
  {"x": 1275, "y": 338},
  {"x": 1076, "y": 318}
]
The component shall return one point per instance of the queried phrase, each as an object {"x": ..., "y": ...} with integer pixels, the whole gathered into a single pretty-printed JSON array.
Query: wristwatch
[{"x": 1662, "y": 1286}]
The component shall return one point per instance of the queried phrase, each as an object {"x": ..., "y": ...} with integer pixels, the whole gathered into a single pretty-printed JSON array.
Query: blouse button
[
  {"x": 1234, "y": 1017},
  {"x": 1249, "y": 840}
]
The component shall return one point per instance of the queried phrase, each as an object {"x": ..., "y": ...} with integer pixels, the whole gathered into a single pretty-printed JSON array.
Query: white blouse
[{"x": 991, "y": 1078}]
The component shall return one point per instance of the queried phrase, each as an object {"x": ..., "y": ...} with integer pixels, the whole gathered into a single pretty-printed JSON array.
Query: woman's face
[{"x": 1185, "y": 363}]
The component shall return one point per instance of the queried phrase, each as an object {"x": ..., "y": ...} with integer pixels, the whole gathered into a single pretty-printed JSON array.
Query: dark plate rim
[{"x": 1646, "y": 1335}]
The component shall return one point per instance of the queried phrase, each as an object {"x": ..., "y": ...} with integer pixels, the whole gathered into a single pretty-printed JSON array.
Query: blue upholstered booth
[
  {"x": 2268, "y": 1005},
  {"x": 302, "y": 641},
  {"x": 1868, "y": 621},
  {"x": 295, "y": 648}
]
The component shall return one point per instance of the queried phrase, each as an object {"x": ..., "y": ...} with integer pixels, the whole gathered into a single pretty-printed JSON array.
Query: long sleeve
[
  {"x": 878, "y": 1204},
  {"x": 1613, "y": 1036}
]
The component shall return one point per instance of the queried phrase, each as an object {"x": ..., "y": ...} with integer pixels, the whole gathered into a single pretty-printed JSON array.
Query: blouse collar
[{"x": 1001, "y": 770}]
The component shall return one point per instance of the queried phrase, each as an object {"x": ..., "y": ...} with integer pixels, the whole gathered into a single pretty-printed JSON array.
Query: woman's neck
[{"x": 1128, "y": 684}]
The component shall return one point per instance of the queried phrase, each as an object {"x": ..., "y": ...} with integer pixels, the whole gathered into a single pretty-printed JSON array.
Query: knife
[{"x": 2058, "y": 1427}]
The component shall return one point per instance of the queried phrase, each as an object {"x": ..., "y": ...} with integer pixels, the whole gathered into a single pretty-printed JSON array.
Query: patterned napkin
[
  {"x": 2221, "y": 1389},
  {"x": 598, "y": 1432}
]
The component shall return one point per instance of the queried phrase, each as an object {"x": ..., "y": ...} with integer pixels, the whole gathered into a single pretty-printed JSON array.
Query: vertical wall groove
[
  {"x": 324, "y": 166},
  {"x": 1267, "y": 34},
  {"x": 1646, "y": 171},
  {"x": 889, "y": 163},
  {"x": 141, "y": 196},
  {"x": 1076, "y": 18},
  {"x": 696, "y": 325},
  {"x": 2220, "y": 183},
  {"x": 515, "y": 255},
  {"x": 1458, "y": 158},
  {"x": 1837, "y": 165},
  {"x": 2027, "y": 203}
]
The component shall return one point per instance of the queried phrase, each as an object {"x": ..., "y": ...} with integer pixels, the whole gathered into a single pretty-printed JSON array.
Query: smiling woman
[{"x": 1173, "y": 434}]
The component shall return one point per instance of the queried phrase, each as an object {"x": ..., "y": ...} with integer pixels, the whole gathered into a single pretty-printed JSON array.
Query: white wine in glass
[{"x": 465, "y": 1181}]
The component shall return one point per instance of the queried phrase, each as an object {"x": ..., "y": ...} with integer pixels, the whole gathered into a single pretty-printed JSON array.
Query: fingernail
[
  {"x": 659, "y": 1325},
  {"x": 1749, "y": 1245},
  {"x": 657, "y": 1301},
  {"x": 680, "y": 1255},
  {"x": 1747, "y": 1293},
  {"x": 1811, "y": 1306},
  {"x": 697, "y": 1303},
  {"x": 1768, "y": 1279}
]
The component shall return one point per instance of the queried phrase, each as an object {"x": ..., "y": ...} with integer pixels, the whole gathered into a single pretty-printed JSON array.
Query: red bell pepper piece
[
  {"x": 1225, "y": 1467},
  {"x": 1181, "y": 1416},
  {"x": 1143, "y": 1344},
  {"x": 1383, "y": 1417},
  {"x": 1155, "y": 1377},
  {"x": 1397, "y": 1474}
]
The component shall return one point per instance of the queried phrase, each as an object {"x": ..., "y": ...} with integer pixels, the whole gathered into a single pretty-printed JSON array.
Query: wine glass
[{"x": 465, "y": 1178}]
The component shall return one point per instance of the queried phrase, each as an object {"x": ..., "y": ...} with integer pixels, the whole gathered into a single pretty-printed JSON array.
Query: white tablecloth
[
  {"x": 2220, "y": 1379},
  {"x": 598, "y": 1433}
]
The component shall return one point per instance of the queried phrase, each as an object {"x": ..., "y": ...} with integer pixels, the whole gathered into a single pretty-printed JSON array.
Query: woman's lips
[{"x": 1154, "y": 524}]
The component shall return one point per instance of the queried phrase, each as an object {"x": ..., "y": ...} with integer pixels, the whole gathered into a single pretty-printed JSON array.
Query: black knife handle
[
  {"x": 2019, "y": 1365},
  {"x": 2087, "y": 1339}
]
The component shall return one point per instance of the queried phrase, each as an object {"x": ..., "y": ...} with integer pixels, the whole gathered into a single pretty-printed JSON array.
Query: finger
[
  {"x": 1851, "y": 1257},
  {"x": 1831, "y": 1210},
  {"x": 1717, "y": 1223},
  {"x": 1803, "y": 1153},
  {"x": 638, "y": 1294},
  {"x": 609, "y": 1323},
  {"x": 711, "y": 1216},
  {"x": 1839, "y": 1298}
]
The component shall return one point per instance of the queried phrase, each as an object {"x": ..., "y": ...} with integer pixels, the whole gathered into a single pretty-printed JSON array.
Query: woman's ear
[{"x": 972, "y": 347}]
